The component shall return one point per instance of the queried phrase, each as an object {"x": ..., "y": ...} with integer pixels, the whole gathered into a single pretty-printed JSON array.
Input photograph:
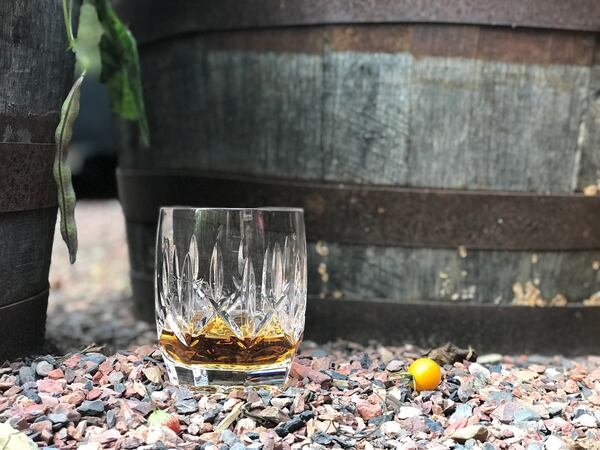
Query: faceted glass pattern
[{"x": 230, "y": 293}]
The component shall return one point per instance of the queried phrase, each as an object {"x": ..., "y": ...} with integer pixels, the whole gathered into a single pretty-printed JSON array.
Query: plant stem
[
  {"x": 7, "y": 442},
  {"x": 66, "y": 6}
]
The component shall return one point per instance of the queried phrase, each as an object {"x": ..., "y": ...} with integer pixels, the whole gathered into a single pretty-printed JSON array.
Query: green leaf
[
  {"x": 62, "y": 171},
  {"x": 121, "y": 68},
  {"x": 158, "y": 417},
  {"x": 11, "y": 439},
  {"x": 87, "y": 44}
]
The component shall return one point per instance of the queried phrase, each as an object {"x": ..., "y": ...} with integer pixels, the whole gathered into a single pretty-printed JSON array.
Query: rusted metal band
[
  {"x": 152, "y": 21},
  {"x": 26, "y": 180},
  {"x": 382, "y": 215},
  {"x": 521, "y": 46}
]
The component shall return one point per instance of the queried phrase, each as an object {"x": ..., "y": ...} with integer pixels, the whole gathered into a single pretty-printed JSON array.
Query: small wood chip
[
  {"x": 230, "y": 418},
  {"x": 153, "y": 373}
]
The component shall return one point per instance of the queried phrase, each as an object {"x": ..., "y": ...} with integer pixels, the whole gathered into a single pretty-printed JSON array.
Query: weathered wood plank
[
  {"x": 142, "y": 248},
  {"x": 382, "y": 118},
  {"x": 35, "y": 69},
  {"x": 424, "y": 106},
  {"x": 218, "y": 130},
  {"x": 23, "y": 324},
  {"x": 157, "y": 21},
  {"x": 281, "y": 87},
  {"x": 25, "y": 250},
  {"x": 495, "y": 125},
  {"x": 411, "y": 274},
  {"x": 482, "y": 276},
  {"x": 367, "y": 111},
  {"x": 588, "y": 141},
  {"x": 442, "y": 122}
]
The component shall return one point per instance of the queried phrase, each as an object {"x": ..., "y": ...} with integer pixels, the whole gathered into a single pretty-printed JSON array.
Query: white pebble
[
  {"x": 475, "y": 368},
  {"x": 586, "y": 420},
  {"x": 391, "y": 428},
  {"x": 554, "y": 443},
  {"x": 407, "y": 412}
]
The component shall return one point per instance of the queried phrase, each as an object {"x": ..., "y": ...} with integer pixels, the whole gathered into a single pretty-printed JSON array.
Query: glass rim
[{"x": 240, "y": 209}]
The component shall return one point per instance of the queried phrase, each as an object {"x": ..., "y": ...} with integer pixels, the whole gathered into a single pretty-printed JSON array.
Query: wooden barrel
[
  {"x": 36, "y": 71},
  {"x": 439, "y": 150}
]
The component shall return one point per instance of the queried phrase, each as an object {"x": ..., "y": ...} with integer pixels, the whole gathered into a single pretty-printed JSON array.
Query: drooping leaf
[
  {"x": 87, "y": 44},
  {"x": 11, "y": 439},
  {"x": 161, "y": 418},
  {"x": 62, "y": 171},
  {"x": 158, "y": 417},
  {"x": 121, "y": 68}
]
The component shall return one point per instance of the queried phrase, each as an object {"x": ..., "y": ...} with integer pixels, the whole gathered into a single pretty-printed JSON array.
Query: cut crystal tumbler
[{"x": 230, "y": 294}]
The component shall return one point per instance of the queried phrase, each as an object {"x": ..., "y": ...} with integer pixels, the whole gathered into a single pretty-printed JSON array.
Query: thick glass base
[{"x": 201, "y": 376}]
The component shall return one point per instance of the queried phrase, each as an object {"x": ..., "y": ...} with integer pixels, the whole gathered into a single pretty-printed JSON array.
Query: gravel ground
[
  {"x": 89, "y": 300},
  {"x": 340, "y": 395}
]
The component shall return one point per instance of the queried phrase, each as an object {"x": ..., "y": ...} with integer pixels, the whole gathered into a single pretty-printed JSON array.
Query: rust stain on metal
[
  {"x": 433, "y": 218},
  {"x": 484, "y": 43},
  {"x": 464, "y": 41},
  {"x": 182, "y": 16}
]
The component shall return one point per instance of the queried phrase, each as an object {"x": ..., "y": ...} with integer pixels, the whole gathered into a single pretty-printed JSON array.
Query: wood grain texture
[
  {"x": 141, "y": 239},
  {"x": 483, "y": 276},
  {"x": 381, "y": 118},
  {"x": 35, "y": 69},
  {"x": 25, "y": 181},
  {"x": 444, "y": 106},
  {"x": 26, "y": 247},
  {"x": 35, "y": 72},
  {"x": 411, "y": 274},
  {"x": 19, "y": 336},
  {"x": 588, "y": 141},
  {"x": 177, "y": 17}
]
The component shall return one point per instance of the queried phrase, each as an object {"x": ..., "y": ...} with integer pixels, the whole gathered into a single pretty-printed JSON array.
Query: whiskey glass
[{"x": 230, "y": 294}]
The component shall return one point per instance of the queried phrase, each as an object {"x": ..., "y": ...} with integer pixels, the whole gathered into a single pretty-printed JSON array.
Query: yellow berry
[{"x": 426, "y": 373}]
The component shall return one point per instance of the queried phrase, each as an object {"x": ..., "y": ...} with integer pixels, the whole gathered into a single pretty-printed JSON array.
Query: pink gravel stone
[
  {"x": 94, "y": 394},
  {"x": 48, "y": 399},
  {"x": 300, "y": 371},
  {"x": 56, "y": 374},
  {"x": 30, "y": 412},
  {"x": 571, "y": 387},
  {"x": 74, "y": 398},
  {"x": 368, "y": 410},
  {"x": 51, "y": 386},
  {"x": 38, "y": 427},
  {"x": 73, "y": 361}
]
